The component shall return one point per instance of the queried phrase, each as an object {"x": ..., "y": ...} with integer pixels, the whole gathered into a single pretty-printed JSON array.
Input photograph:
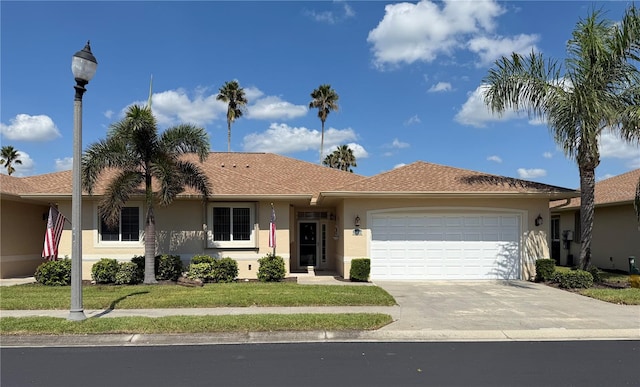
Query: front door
[
  {"x": 307, "y": 244},
  {"x": 555, "y": 239}
]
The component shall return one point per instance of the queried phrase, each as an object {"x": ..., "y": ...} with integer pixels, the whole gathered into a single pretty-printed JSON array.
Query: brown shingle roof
[
  {"x": 231, "y": 174},
  {"x": 617, "y": 189},
  {"x": 11, "y": 185},
  {"x": 421, "y": 177}
]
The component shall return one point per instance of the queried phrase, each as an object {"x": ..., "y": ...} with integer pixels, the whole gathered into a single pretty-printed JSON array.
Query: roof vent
[
  {"x": 222, "y": 165},
  {"x": 234, "y": 165},
  {"x": 247, "y": 165}
]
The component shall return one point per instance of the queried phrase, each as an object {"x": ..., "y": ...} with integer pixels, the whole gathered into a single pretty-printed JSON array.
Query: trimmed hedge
[
  {"x": 104, "y": 271},
  {"x": 271, "y": 268},
  {"x": 360, "y": 269},
  {"x": 202, "y": 259},
  {"x": 220, "y": 270},
  {"x": 545, "y": 269},
  {"x": 54, "y": 273},
  {"x": 574, "y": 279},
  {"x": 128, "y": 274},
  {"x": 168, "y": 267}
]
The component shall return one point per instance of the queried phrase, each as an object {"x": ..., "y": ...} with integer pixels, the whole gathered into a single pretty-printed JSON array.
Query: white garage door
[{"x": 426, "y": 246}]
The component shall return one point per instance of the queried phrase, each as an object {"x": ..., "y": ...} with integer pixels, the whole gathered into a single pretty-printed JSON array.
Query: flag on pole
[
  {"x": 272, "y": 228},
  {"x": 55, "y": 225}
]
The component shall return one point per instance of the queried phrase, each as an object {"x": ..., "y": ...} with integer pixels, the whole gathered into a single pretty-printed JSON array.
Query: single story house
[
  {"x": 616, "y": 233},
  {"x": 421, "y": 221}
]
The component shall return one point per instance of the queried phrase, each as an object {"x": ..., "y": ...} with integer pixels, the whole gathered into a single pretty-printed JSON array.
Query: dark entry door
[
  {"x": 308, "y": 246},
  {"x": 555, "y": 239}
]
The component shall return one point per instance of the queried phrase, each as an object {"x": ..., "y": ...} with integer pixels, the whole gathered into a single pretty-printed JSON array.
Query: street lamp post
[{"x": 83, "y": 66}]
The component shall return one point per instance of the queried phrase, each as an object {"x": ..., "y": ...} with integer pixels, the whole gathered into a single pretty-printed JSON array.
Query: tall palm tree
[
  {"x": 342, "y": 158},
  {"x": 10, "y": 156},
  {"x": 139, "y": 155},
  {"x": 233, "y": 95},
  {"x": 597, "y": 92},
  {"x": 325, "y": 99}
]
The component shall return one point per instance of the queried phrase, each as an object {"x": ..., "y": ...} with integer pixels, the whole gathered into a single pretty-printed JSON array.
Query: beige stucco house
[
  {"x": 616, "y": 234},
  {"x": 420, "y": 221}
]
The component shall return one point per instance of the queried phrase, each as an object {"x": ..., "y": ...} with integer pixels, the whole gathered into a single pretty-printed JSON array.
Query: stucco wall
[
  {"x": 535, "y": 239},
  {"x": 22, "y": 228},
  {"x": 615, "y": 237},
  {"x": 180, "y": 230}
]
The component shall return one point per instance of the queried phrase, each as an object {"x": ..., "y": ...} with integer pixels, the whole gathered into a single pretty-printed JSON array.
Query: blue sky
[{"x": 408, "y": 76}]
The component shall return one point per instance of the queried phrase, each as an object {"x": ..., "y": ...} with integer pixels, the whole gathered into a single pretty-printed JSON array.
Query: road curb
[{"x": 317, "y": 337}]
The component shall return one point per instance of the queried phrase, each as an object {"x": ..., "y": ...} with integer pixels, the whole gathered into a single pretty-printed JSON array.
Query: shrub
[
  {"x": 573, "y": 279},
  {"x": 360, "y": 269},
  {"x": 168, "y": 267},
  {"x": 202, "y": 271},
  {"x": 202, "y": 259},
  {"x": 104, "y": 271},
  {"x": 138, "y": 260},
  {"x": 595, "y": 273},
  {"x": 226, "y": 270},
  {"x": 271, "y": 268},
  {"x": 128, "y": 274},
  {"x": 545, "y": 269},
  {"x": 54, "y": 273}
]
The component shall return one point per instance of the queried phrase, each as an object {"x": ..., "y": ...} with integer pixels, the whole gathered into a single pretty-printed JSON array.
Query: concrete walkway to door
[{"x": 505, "y": 309}]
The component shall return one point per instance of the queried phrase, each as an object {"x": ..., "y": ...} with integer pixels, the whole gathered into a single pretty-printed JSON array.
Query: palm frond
[
  {"x": 117, "y": 194},
  {"x": 186, "y": 138}
]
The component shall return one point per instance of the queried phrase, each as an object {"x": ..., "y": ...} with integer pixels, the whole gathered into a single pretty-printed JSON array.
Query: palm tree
[
  {"x": 598, "y": 91},
  {"x": 325, "y": 99},
  {"x": 10, "y": 156},
  {"x": 139, "y": 156},
  {"x": 233, "y": 95},
  {"x": 342, "y": 158}
]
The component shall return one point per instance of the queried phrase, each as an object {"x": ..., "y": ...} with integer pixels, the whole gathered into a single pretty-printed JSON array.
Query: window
[
  {"x": 231, "y": 225},
  {"x": 128, "y": 230}
]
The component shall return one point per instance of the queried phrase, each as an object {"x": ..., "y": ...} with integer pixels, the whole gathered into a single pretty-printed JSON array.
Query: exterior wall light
[{"x": 539, "y": 220}]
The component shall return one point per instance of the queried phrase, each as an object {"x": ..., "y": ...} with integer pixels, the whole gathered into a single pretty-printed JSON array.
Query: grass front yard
[
  {"x": 36, "y": 297},
  {"x": 614, "y": 288},
  {"x": 241, "y": 294}
]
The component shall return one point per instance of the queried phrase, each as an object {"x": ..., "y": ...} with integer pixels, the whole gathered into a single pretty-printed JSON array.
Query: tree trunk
[
  {"x": 587, "y": 207},
  {"x": 150, "y": 248},
  {"x": 228, "y": 136},
  {"x": 321, "y": 142},
  {"x": 149, "y": 234}
]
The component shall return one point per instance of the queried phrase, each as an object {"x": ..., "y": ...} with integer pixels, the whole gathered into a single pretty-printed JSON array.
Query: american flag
[
  {"x": 272, "y": 229},
  {"x": 55, "y": 225}
]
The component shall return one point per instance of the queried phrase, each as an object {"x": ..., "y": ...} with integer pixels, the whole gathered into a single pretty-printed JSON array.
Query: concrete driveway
[{"x": 503, "y": 306}]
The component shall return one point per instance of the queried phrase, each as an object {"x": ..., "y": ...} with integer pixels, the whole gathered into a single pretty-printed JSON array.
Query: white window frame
[
  {"x": 251, "y": 243},
  {"x": 120, "y": 243}
]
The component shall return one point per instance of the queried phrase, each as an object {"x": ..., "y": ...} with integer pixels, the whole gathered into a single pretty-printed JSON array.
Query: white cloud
[
  {"x": 489, "y": 49},
  {"x": 420, "y": 32},
  {"x": 475, "y": 112},
  {"x": 399, "y": 144},
  {"x": 440, "y": 86},
  {"x": 494, "y": 158},
  {"x": 173, "y": 107},
  {"x": 531, "y": 173},
  {"x": 200, "y": 107},
  {"x": 608, "y": 175},
  {"x": 358, "y": 150},
  {"x": 109, "y": 114},
  {"x": 612, "y": 146},
  {"x": 30, "y": 128},
  {"x": 282, "y": 138},
  {"x": 64, "y": 164},
  {"x": 399, "y": 165},
  {"x": 344, "y": 12},
  {"x": 412, "y": 120},
  {"x": 273, "y": 108},
  {"x": 24, "y": 169},
  {"x": 547, "y": 155}
]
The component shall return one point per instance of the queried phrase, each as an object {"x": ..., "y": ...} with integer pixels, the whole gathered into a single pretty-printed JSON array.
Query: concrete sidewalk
[{"x": 426, "y": 311}]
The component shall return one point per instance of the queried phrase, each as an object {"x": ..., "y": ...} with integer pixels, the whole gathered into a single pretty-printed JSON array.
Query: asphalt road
[{"x": 554, "y": 363}]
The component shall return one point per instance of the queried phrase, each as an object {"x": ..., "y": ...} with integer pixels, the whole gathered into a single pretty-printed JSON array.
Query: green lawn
[
  {"x": 193, "y": 324},
  {"x": 615, "y": 295},
  {"x": 243, "y": 294}
]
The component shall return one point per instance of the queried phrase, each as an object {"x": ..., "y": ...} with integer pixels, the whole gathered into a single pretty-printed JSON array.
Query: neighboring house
[
  {"x": 616, "y": 234},
  {"x": 420, "y": 221}
]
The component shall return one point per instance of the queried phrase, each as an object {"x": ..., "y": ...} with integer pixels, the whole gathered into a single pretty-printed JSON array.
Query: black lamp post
[{"x": 83, "y": 66}]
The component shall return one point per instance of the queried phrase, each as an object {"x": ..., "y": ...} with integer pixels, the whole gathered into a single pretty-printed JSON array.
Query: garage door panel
[{"x": 426, "y": 246}]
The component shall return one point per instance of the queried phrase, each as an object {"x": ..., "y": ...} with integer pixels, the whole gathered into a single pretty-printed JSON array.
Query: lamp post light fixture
[{"x": 83, "y": 67}]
